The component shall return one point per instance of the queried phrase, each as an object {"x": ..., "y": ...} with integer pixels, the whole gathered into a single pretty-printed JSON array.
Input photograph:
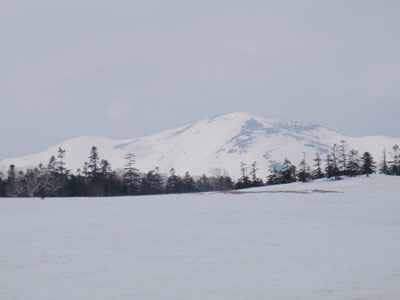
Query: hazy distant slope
[{"x": 221, "y": 142}]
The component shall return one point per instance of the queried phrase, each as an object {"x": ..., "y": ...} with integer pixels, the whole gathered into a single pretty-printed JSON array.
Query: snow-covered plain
[{"x": 342, "y": 245}]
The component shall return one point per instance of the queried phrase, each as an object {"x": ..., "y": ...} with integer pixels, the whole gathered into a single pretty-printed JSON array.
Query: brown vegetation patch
[{"x": 280, "y": 192}]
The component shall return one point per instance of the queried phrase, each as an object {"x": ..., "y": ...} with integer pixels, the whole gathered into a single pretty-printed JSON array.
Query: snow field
[{"x": 207, "y": 246}]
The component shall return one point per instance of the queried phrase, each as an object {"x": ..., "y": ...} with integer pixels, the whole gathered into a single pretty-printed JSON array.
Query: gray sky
[{"x": 130, "y": 68}]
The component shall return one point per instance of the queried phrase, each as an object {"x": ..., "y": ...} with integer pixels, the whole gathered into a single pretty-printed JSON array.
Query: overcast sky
[{"x": 130, "y": 68}]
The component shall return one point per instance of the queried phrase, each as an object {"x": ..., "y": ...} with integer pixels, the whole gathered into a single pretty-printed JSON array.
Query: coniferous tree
[
  {"x": 85, "y": 169},
  {"x": 174, "y": 183},
  {"x": 329, "y": 167},
  {"x": 131, "y": 174},
  {"x": 107, "y": 179},
  {"x": 244, "y": 180},
  {"x": 274, "y": 177},
  {"x": 335, "y": 161},
  {"x": 105, "y": 169},
  {"x": 255, "y": 181},
  {"x": 203, "y": 184},
  {"x": 2, "y": 185},
  {"x": 304, "y": 173},
  {"x": 288, "y": 172},
  {"x": 93, "y": 164},
  {"x": 76, "y": 186},
  {"x": 157, "y": 181},
  {"x": 384, "y": 169},
  {"x": 353, "y": 165},
  {"x": 92, "y": 172},
  {"x": 52, "y": 182},
  {"x": 222, "y": 183},
  {"x": 152, "y": 183},
  {"x": 368, "y": 166},
  {"x": 317, "y": 173},
  {"x": 12, "y": 173},
  {"x": 332, "y": 166},
  {"x": 15, "y": 185},
  {"x": 51, "y": 166},
  {"x": 60, "y": 163},
  {"x": 342, "y": 157},
  {"x": 394, "y": 164},
  {"x": 188, "y": 184}
]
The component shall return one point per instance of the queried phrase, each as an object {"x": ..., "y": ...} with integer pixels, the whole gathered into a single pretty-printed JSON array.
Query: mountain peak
[{"x": 213, "y": 146}]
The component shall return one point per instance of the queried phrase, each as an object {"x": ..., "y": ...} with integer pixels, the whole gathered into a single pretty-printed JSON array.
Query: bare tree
[{"x": 41, "y": 181}]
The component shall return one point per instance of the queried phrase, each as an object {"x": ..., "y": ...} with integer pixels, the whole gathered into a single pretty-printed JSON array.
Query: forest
[{"x": 98, "y": 179}]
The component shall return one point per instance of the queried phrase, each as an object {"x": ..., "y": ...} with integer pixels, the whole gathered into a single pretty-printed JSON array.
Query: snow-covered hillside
[
  {"x": 215, "y": 145},
  {"x": 317, "y": 246}
]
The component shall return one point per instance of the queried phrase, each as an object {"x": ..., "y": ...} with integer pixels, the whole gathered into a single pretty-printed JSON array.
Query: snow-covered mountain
[{"x": 213, "y": 146}]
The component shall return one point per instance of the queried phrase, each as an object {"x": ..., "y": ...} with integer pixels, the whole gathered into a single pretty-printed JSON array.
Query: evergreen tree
[
  {"x": 274, "y": 177},
  {"x": 394, "y": 164},
  {"x": 222, "y": 183},
  {"x": 304, "y": 173},
  {"x": 51, "y": 166},
  {"x": 52, "y": 182},
  {"x": 174, "y": 183},
  {"x": 12, "y": 174},
  {"x": 107, "y": 178},
  {"x": 85, "y": 169},
  {"x": 329, "y": 167},
  {"x": 60, "y": 164},
  {"x": 335, "y": 161},
  {"x": 203, "y": 184},
  {"x": 92, "y": 172},
  {"x": 288, "y": 172},
  {"x": 105, "y": 169},
  {"x": 93, "y": 164},
  {"x": 342, "y": 157},
  {"x": 244, "y": 181},
  {"x": 317, "y": 174},
  {"x": 188, "y": 184},
  {"x": 384, "y": 169},
  {"x": 157, "y": 181},
  {"x": 15, "y": 186},
  {"x": 2, "y": 185},
  {"x": 255, "y": 181},
  {"x": 131, "y": 175},
  {"x": 332, "y": 167},
  {"x": 152, "y": 183},
  {"x": 368, "y": 166},
  {"x": 76, "y": 186},
  {"x": 353, "y": 165}
]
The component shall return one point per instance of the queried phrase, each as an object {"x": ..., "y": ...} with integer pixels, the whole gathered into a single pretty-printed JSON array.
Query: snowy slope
[
  {"x": 221, "y": 142},
  {"x": 213, "y": 246}
]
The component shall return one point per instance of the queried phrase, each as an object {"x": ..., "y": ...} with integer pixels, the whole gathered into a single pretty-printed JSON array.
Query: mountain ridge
[{"x": 213, "y": 146}]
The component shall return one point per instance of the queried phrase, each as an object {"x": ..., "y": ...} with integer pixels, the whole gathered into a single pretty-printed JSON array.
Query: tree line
[
  {"x": 338, "y": 163},
  {"x": 97, "y": 178}
]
